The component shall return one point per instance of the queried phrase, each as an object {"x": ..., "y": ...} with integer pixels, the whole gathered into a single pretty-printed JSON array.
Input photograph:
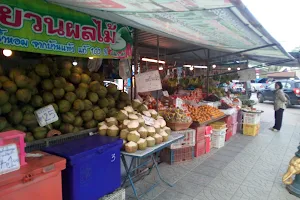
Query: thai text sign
[
  {"x": 46, "y": 28},
  {"x": 148, "y": 81}
]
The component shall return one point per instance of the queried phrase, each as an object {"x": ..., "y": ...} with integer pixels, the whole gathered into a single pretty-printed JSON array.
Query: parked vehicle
[
  {"x": 291, "y": 88},
  {"x": 259, "y": 84}
]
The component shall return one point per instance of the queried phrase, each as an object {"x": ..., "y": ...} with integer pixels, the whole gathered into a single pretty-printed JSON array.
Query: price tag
[
  {"x": 9, "y": 159},
  {"x": 46, "y": 115},
  {"x": 165, "y": 93},
  {"x": 179, "y": 103},
  {"x": 148, "y": 120}
]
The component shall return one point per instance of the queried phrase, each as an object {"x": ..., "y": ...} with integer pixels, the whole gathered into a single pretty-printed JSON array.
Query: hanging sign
[
  {"x": 46, "y": 115},
  {"x": 148, "y": 81},
  {"x": 47, "y": 28},
  {"x": 9, "y": 159}
]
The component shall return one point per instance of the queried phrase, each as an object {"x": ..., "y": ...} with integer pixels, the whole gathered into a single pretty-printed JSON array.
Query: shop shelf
[
  {"x": 187, "y": 141},
  {"x": 173, "y": 156},
  {"x": 91, "y": 161},
  {"x": 40, "y": 144},
  {"x": 15, "y": 137},
  {"x": 39, "y": 179},
  {"x": 251, "y": 129},
  {"x": 117, "y": 195},
  {"x": 200, "y": 148},
  {"x": 251, "y": 118}
]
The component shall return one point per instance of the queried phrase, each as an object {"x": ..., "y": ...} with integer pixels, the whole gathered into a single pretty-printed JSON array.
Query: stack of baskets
[{"x": 251, "y": 123}]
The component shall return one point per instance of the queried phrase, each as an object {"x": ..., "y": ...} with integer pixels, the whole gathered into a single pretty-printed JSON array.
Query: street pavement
[{"x": 245, "y": 168}]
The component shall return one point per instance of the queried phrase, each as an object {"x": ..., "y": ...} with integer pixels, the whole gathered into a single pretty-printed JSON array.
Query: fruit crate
[
  {"x": 200, "y": 148},
  {"x": 173, "y": 156},
  {"x": 228, "y": 120},
  {"x": 200, "y": 132},
  {"x": 187, "y": 141},
  {"x": 15, "y": 137},
  {"x": 234, "y": 128},
  {"x": 228, "y": 133},
  {"x": 234, "y": 117},
  {"x": 207, "y": 143},
  {"x": 117, "y": 195},
  {"x": 47, "y": 142},
  {"x": 251, "y": 118},
  {"x": 251, "y": 129}
]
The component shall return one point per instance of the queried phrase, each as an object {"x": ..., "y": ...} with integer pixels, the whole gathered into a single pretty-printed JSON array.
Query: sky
[{"x": 280, "y": 18}]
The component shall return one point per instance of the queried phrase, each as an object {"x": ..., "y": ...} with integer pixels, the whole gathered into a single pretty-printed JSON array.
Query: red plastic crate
[
  {"x": 234, "y": 128},
  {"x": 207, "y": 143},
  {"x": 228, "y": 120},
  {"x": 172, "y": 156},
  {"x": 200, "y": 148},
  {"x": 200, "y": 132},
  {"x": 208, "y": 130},
  {"x": 228, "y": 133},
  {"x": 234, "y": 118},
  {"x": 15, "y": 137}
]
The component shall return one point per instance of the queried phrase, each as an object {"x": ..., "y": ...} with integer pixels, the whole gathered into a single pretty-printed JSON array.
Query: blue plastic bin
[{"x": 93, "y": 167}]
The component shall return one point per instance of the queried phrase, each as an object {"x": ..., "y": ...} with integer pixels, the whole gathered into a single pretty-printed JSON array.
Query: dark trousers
[{"x": 278, "y": 119}]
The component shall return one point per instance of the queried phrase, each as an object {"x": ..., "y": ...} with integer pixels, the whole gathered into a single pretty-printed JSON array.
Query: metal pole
[
  {"x": 207, "y": 71},
  {"x": 157, "y": 69},
  {"x": 135, "y": 61}
]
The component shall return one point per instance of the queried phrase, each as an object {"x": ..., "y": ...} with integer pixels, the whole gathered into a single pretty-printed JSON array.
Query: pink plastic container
[{"x": 15, "y": 137}]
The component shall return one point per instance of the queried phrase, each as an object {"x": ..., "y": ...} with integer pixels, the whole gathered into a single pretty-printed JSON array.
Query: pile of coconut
[{"x": 130, "y": 126}]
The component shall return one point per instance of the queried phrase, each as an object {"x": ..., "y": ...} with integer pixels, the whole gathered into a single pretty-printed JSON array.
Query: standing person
[{"x": 279, "y": 106}]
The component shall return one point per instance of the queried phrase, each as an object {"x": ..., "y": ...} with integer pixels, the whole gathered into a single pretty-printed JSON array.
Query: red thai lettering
[
  {"x": 72, "y": 30},
  {"x": 51, "y": 29},
  {"x": 11, "y": 18},
  {"x": 98, "y": 23},
  {"x": 37, "y": 26},
  {"x": 88, "y": 33},
  {"x": 110, "y": 33}
]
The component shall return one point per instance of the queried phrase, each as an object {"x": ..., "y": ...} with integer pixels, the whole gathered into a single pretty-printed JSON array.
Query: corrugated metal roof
[{"x": 222, "y": 25}]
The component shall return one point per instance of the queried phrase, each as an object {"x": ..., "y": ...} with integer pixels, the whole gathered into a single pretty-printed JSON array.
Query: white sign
[
  {"x": 179, "y": 103},
  {"x": 148, "y": 81},
  {"x": 148, "y": 120},
  {"x": 247, "y": 75},
  {"x": 46, "y": 115},
  {"x": 165, "y": 93},
  {"x": 9, "y": 159}
]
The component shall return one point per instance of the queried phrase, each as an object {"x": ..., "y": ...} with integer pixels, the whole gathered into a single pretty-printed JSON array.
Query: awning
[{"x": 223, "y": 25}]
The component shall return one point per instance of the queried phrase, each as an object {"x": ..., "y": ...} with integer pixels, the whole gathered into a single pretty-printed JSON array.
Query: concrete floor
[{"x": 245, "y": 168}]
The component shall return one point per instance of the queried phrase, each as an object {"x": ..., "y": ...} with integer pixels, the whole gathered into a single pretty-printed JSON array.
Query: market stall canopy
[{"x": 223, "y": 25}]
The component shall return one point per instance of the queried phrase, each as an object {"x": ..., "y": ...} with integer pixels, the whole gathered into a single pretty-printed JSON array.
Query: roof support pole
[
  {"x": 239, "y": 52},
  {"x": 207, "y": 71},
  {"x": 135, "y": 56},
  {"x": 157, "y": 69}
]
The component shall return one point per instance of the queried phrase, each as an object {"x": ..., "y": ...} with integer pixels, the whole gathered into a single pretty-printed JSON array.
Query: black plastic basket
[{"x": 40, "y": 144}]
